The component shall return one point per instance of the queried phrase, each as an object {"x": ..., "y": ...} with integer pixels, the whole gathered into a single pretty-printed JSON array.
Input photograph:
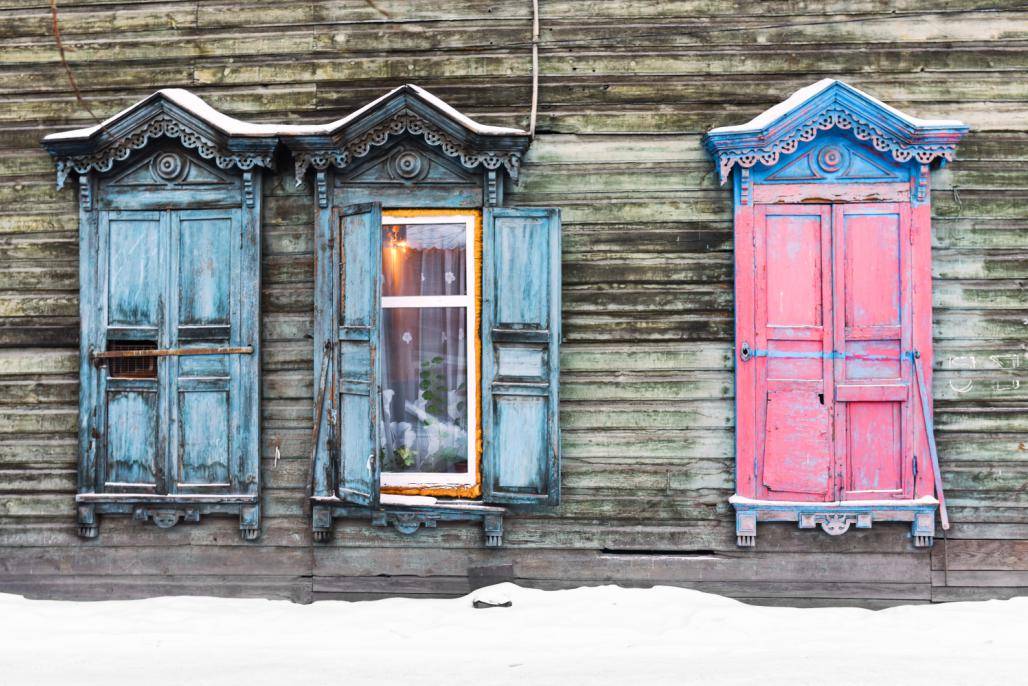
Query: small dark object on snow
[{"x": 481, "y": 604}]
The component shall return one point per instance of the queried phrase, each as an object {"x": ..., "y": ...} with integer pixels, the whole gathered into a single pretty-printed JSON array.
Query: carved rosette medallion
[
  {"x": 169, "y": 167},
  {"x": 408, "y": 165},
  {"x": 830, "y": 158}
]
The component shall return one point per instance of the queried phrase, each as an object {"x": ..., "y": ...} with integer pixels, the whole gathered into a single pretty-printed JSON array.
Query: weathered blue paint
[
  {"x": 131, "y": 439},
  {"x": 825, "y": 106},
  {"x": 204, "y": 438},
  {"x": 521, "y": 290},
  {"x": 405, "y": 151},
  {"x": 834, "y": 157},
  {"x": 163, "y": 262},
  {"x": 359, "y": 396},
  {"x": 204, "y": 267},
  {"x": 133, "y": 254}
]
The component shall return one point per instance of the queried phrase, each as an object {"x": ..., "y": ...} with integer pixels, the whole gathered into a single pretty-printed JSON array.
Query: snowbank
[{"x": 591, "y": 636}]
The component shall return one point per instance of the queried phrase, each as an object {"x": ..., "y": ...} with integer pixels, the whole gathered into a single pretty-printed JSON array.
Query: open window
[
  {"x": 169, "y": 229},
  {"x": 833, "y": 312},
  {"x": 431, "y": 300},
  {"x": 438, "y": 321}
]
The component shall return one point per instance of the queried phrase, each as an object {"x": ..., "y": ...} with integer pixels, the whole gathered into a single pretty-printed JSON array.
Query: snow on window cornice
[
  {"x": 825, "y": 105},
  {"x": 99, "y": 147}
]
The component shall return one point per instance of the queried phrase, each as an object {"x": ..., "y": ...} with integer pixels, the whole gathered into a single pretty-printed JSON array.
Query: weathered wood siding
[{"x": 627, "y": 89}]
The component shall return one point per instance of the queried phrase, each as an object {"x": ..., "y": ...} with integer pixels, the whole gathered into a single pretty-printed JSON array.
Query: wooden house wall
[{"x": 627, "y": 89}]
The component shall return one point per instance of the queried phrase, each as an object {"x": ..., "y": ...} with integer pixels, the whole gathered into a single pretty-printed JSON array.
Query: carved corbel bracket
[
  {"x": 86, "y": 192},
  {"x": 165, "y": 518},
  {"x": 88, "y": 525},
  {"x": 835, "y": 518},
  {"x": 409, "y": 520},
  {"x": 407, "y": 523},
  {"x": 835, "y": 523}
]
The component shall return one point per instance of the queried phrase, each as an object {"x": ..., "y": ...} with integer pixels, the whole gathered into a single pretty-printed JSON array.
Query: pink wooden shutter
[
  {"x": 872, "y": 321},
  {"x": 792, "y": 299}
]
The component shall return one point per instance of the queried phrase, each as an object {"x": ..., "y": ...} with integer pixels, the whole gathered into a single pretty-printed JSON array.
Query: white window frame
[{"x": 430, "y": 479}]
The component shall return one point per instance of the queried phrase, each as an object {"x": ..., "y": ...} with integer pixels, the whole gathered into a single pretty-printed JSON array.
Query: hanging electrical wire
[
  {"x": 535, "y": 67},
  {"x": 64, "y": 61}
]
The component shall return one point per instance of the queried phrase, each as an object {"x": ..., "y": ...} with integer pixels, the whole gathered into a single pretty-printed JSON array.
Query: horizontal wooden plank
[
  {"x": 586, "y": 565},
  {"x": 976, "y": 555},
  {"x": 121, "y": 587}
]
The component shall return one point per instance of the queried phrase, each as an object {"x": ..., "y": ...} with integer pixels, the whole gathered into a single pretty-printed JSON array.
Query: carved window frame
[
  {"x": 179, "y": 134},
  {"x": 823, "y": 127}
]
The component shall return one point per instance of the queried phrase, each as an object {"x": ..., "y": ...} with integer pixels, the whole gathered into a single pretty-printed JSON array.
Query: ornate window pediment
[
  {"x": 831, "y": 105},
  {"x": 169, "y": 113},
  {"x": 407, "y": 110}
]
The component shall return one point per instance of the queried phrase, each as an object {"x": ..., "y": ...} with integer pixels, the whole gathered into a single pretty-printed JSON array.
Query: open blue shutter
[
  {"x": 520, "y": 356},
  {"x": 359, "y": 399}
]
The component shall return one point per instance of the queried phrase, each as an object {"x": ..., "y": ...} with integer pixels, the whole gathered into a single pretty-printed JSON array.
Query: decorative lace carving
[
  {"x": 833, "y": 117},
  {"x": 406, "y": 122},
  {"x": 161, "y": 125}
]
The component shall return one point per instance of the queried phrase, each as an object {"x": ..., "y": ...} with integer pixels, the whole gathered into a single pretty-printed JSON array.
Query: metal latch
[{"x": 169, "y": 352}]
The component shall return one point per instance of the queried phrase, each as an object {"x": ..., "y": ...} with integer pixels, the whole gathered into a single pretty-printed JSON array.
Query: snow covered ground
[{"x": 591, "y": 636}]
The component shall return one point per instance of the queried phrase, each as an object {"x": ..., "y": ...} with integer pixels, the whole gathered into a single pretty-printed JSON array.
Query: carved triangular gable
[
  {"x": 404, "y": 113},
  {"x": 836, "y": 160},
  {"x": 826, "y": 106},
  {"x": 172, "y": 114},
  {"x": 171, "y": 167},
  {"x": 410, "y": 163},
  {"x": 799, "y": 169},
  {"x": 864, "y": 168}
]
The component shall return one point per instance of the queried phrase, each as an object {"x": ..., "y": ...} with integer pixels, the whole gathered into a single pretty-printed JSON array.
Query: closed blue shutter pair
[
  {"x": 520, "y": 355},
  {"x": 178, "y": 424}
]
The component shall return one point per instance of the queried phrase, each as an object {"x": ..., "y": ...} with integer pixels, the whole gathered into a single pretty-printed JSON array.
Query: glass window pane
[
  {"x": 424, "y": 389},
  {"x": 424, "y": 259}
]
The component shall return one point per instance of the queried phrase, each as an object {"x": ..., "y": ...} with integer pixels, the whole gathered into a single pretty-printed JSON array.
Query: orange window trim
[{"x": 469, "y": 491}]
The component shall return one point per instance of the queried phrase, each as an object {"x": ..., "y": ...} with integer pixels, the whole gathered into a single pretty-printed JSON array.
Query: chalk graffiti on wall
[{"x": 981, "y": 369}]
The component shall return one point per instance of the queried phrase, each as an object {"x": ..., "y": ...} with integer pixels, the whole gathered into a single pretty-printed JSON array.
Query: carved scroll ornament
[
  {"x": 405, "y": 122},
  {"x": 833, "y": 117},
  {"x": 159, "y": 126}
]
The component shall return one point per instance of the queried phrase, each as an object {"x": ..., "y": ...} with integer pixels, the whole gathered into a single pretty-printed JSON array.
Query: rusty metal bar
[{"x": 171, "y": 352}]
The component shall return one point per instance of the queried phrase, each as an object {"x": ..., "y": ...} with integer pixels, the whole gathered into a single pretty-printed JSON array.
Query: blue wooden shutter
[
  {"x": 359, "y": 399},
  {"x": 212, "y": 398},
  {"x": 129, "y": 432},
  {"x": 520, "y": 356}
]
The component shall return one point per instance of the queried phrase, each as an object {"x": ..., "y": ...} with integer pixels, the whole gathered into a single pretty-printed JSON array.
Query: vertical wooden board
[
  {"x": 205, "y": 438},
  {"x": 131, "y": 436},
  {"x": 792, "y": 245},
  {"x": 875, "y": 447},
  {"x": 873, "y": 328},
  {"x": 791, "y": 299},
  {"x": 359, "y": 366},
  {"x": 521, "y": 423},
  {"x": 133, "y": 269},
  {"x": 746, "y": 440},
  {"x": 797, "y": 444},
  {"x": 522, "y": 271},
  {"x": 921, "y": 339},
  {"x": 520, "y": 340},
  {"x": 204, "y": 270},
  {"x": 872, "y": 269}
]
